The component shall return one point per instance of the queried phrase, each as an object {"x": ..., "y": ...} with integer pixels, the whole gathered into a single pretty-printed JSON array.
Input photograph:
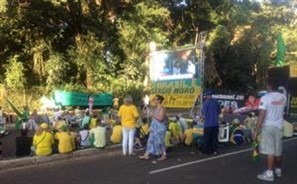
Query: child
[
  {"x": 249, "y": 125},
  {"x": 93, "y": 121},
  {"x": 237, "y": 135},
  {"x": 98, "y": 135},
  {"x": 23, "y": 144},
  {"x": 168, "y": 141},
  {"x": 182, "y": 123},
  {"x": 83, "y": 138},
  {"x": 116, "y": 136},
  {"x": 188, "y": 136},
  {"x": 175, "y": 130},
  {"x": 141, "y": 134}
]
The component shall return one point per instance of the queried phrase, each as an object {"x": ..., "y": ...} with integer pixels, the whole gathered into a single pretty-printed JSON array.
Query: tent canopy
[{"x": 66, "y": 98}]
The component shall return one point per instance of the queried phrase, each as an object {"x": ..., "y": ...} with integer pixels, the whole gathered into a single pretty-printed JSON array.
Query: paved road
[{"x": 233, "y": 166}]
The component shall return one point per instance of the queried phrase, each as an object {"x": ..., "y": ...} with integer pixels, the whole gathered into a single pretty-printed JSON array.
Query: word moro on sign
[
  {"x": 188, "y": 90},
  {"x": 185, "y": 90}
]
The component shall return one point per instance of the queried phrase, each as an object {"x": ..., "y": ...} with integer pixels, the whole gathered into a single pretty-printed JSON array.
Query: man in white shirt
[{"x": 270, "y": 123}]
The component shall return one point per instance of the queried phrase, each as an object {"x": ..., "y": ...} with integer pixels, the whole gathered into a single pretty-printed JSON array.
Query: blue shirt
[{"x": 211, "y": 110}]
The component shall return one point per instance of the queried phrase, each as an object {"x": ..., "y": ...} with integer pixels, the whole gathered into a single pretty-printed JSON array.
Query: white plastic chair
[{"x": 224, "y": 134}]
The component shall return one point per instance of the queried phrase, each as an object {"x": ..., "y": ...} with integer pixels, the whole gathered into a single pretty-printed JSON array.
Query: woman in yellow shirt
[
  {"x": 43, "y": 141},
  {"x": 128, "y": 114}
]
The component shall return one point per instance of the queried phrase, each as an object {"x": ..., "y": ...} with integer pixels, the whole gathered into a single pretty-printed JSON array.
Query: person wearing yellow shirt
[
  {"x": 145, "y": 128},
  {"x": 128, "y": 114},
  {"x": 141, "y": 134},
  {"x": 175, "y": 130},
  {"x": 93, "y": 121},
  {"x": 116, "y": 136},
  {"x": 65, "y": 140},
  {"x": 167, "y": 140},
  {"x": 188, "y": 136},
  {"x": 43, "y": 141}
]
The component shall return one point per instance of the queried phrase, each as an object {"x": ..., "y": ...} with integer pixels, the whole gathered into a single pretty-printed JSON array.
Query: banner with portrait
[
  {"x": 171, "y": 65},
  {"x": 176, "y": 75}
]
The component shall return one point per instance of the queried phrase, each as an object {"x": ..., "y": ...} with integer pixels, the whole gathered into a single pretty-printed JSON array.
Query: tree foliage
[
  {"x": 102, "y": 45},
  {"x": 14, "y": 75}
]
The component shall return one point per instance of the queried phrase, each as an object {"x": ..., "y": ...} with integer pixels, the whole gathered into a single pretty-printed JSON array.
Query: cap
[
  {"x": 44, "y": 126},
  {"x": 208, "y": 92},
  {"x": 62, "y": 127}
]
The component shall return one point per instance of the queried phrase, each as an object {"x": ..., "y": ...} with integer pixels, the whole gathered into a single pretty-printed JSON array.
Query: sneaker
[
  {"x": 132, "y": 154},
  {"x": 266, "y": 176},
  {"x": 278, "y": 172}
]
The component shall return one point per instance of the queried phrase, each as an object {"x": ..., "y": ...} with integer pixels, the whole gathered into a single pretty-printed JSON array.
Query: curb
[{"x": 29, "y": 161}]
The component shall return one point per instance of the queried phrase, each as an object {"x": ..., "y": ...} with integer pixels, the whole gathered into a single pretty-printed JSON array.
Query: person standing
[
  {"x": 116, "y": 102},
  {"x": 91, "y": 103},
  {"x": 128, "y": 114},
  {"x": 156, "y": 141},
  {"x": 270, "y": 125},
  {"x": 1, "y": 116},
  {"x": 210, "y": 110}
]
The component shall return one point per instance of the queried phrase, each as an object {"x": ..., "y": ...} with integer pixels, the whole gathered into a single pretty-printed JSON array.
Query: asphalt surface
[{"x": 233, "y": 165}]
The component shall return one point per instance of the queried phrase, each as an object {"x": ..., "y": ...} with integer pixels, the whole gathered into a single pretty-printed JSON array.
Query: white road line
[{"x": 207, "y": 159}]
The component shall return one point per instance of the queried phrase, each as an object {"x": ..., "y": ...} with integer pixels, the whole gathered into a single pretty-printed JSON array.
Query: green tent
[{"x": 66, "y": 98}]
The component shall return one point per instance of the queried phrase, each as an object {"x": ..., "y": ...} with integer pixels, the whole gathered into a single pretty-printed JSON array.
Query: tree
[{"x": 15, "y": 78}]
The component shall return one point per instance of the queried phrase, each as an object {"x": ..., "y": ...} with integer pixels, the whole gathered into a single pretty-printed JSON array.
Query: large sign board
[
  {"x": 178, "y": 93},
  {"x": 176, "y": 75}
]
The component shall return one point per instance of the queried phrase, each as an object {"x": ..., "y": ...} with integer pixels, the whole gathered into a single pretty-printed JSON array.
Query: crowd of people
[
  {"x": 156, "y": 133},
  {"x": 59, "y": 137}
]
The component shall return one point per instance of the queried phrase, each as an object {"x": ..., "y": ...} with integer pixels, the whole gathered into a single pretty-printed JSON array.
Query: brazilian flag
[{"x": 281, "y": 50}]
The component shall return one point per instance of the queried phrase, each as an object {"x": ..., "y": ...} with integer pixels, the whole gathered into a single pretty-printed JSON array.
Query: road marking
[{"x": 207, "y": 159}]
